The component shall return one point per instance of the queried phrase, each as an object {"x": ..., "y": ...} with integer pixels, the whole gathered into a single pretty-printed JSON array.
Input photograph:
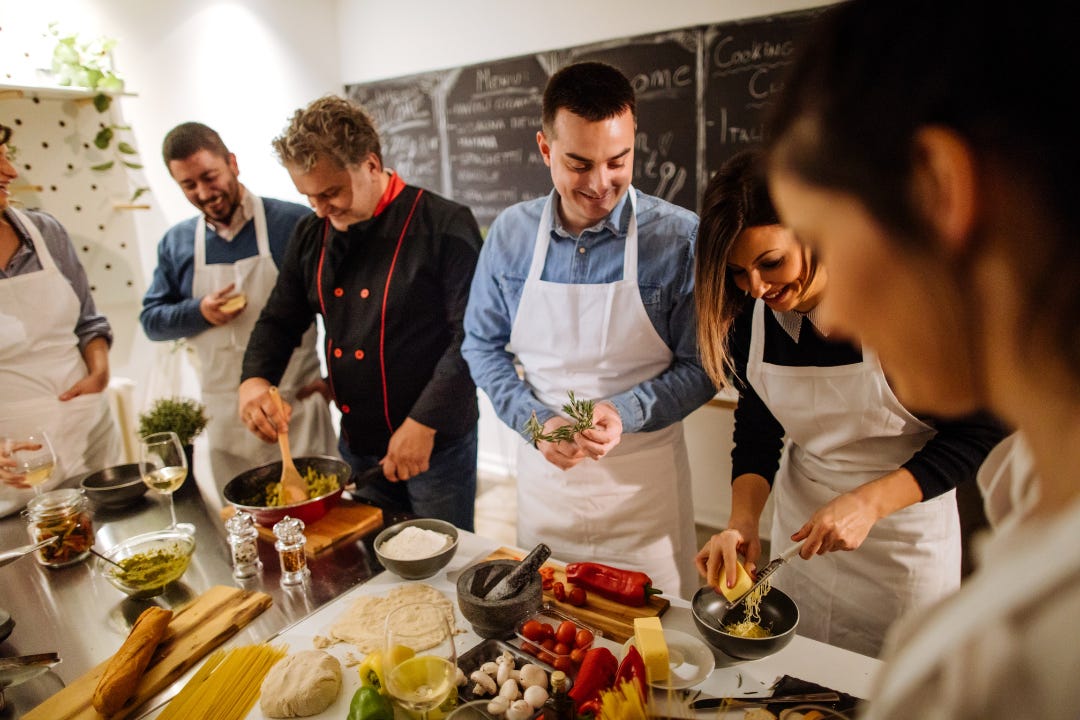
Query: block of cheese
[
  {"x": 234, "y": 303},
  {"x": 743, "y": 583},
  {"x": 649, "y": 638}
]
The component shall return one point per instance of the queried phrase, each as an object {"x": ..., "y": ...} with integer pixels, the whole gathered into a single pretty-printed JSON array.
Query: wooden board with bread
[
  {"x": 165, "y": 645},
  {"x": 615, "y": 619}
]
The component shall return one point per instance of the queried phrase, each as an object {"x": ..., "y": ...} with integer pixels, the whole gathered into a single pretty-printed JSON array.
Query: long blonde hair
[{"x": 736, "y": 198}]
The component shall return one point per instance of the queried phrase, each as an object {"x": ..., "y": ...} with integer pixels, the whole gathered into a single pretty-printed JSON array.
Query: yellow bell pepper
[{"x": 372, "y": 669}]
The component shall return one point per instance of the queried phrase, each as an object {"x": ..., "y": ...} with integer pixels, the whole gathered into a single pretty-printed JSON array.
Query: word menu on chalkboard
[{"x": 469, "y": 133}]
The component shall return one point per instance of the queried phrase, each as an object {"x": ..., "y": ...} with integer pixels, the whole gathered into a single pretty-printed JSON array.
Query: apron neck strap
[
  {"x": 36, "y": 239},
  {"x": 543, "y": 240}
]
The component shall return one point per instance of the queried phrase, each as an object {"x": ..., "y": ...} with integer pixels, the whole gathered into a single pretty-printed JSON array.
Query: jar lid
[
  {"x": 288, "y": 528},
  {"x": 54, "y": 501},
  {"x": 240, "y": 523}
]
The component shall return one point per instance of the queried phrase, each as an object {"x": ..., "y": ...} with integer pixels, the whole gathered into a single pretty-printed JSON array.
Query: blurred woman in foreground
[{"x": 926, "y": 153}]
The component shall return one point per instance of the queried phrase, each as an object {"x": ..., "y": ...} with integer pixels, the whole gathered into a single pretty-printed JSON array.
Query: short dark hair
[
  {"x": 591, "y": 90},
  {"x": 188, "y": 138},
  {"x": 5, "y": 134}
]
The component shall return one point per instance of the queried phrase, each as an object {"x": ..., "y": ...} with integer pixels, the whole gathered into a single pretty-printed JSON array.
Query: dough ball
[{"x": 301, "y": 684}]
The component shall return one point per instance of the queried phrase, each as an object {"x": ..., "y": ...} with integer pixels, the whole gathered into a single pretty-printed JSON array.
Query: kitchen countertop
[
  {"x": 79, "y": 615},
  {"x": 84, "y": 619}
]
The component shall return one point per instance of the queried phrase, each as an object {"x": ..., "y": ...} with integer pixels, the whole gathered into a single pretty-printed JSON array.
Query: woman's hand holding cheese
[{"x": 604, "y": 435}]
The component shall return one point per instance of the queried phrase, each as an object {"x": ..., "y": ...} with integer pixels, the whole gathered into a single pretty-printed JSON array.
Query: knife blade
[
  {"x": 768, "y": 570},
  {"x": 710, "y": 703}
]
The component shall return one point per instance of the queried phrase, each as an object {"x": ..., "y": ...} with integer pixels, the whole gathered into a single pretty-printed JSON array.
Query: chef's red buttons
[
  {"x": 364, "y": 293},
  {"x": 345, "y": 409},
  {"x": 338, "y": 292},
  {"x": 359, "y": 354},
  {"x": 337, "y": 352}
]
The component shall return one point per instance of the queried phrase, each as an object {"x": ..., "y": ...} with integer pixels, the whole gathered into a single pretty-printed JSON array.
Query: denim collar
[{"x": 615, "y": 222}]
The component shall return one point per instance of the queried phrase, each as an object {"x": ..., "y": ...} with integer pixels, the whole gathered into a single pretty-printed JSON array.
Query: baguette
[{"x": 121, "y": 677}]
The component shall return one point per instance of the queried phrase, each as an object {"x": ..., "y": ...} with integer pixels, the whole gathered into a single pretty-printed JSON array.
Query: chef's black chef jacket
[{"x": 392, "y": 292}]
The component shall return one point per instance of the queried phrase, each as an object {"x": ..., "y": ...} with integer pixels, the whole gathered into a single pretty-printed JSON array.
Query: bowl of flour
[{"x": 416, "y": 549}]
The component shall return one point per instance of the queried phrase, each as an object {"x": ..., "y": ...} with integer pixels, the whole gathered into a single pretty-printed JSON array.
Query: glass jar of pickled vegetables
[{"x": 63, "y": 514}]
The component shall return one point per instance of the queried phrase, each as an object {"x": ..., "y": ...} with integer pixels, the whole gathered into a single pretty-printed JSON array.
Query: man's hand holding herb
[
  {"x": 563, "y": 454},
  {"x": 605, "y": 433}
]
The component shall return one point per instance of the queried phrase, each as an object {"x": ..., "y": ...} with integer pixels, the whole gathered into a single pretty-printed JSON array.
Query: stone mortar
[{"x": 495, "y": 618}]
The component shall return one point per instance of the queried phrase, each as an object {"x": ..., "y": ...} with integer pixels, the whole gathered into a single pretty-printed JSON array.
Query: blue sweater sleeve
[{"x": 169, "y": 311}]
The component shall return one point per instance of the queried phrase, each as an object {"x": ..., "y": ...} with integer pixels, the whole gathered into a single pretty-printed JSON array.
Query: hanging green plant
[{"x": 85, "y": 64}]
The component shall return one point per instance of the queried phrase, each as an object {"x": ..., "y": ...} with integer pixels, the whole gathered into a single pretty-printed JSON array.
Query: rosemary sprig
[{"x": 580, "y": 411}]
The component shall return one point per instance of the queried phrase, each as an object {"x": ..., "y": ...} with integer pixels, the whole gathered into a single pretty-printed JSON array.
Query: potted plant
[{"x": 183, "y": 416}]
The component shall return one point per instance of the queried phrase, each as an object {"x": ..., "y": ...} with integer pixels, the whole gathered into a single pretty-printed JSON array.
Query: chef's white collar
[{"x": 791, "y": 321}]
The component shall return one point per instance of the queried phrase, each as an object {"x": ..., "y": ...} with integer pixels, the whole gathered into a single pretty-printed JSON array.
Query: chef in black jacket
[{"x": 388, "y": 267}]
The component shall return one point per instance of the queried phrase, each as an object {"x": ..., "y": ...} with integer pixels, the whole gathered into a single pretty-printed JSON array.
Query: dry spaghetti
[{"x": 226, "y": 686}]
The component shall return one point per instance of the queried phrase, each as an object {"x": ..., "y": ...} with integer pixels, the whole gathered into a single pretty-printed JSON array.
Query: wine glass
[
  {"x": 163, "y": 466},
  {"x": 419, "y": 657},
  {"x": 29, "y": 455}
]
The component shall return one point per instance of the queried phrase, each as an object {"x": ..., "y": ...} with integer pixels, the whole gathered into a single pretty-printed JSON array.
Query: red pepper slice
[
  {"x": 632, "y": 669},
  {"x": 597, "y": 673},
  {"x": 628, "y": 587}
]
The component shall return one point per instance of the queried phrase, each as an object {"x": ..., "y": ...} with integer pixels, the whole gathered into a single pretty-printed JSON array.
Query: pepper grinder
[
  {"x": 243, "y": 542},
  {"x": 290, "y": 546}
]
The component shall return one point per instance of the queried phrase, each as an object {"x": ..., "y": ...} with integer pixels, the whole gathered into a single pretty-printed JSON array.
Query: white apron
[
  {"x": 633, "y": 507},
  {"x": 844, "y": 428},
  {"x": 220, "y": 350},
  {"x": 39, "y": 359}
]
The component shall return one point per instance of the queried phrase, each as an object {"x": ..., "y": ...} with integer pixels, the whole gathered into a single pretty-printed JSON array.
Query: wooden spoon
[{"x": 292, "y": 485}]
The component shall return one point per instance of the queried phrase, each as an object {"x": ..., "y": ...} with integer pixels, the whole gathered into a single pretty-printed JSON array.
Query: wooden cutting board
[
  {"x": 614, "y": 618},
  {"x": 345, "y": 522},
  {"x": 199, "y": 627}
]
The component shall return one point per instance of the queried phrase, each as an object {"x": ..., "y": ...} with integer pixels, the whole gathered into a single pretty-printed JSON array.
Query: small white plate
[{"x": 689, "y": 659}]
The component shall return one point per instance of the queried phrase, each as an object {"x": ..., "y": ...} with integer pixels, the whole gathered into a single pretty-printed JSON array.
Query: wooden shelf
[{"x": 53, "y": 92}]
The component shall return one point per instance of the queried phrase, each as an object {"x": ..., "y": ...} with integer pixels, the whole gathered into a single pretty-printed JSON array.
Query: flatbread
[{"x": 364, "y": 623}]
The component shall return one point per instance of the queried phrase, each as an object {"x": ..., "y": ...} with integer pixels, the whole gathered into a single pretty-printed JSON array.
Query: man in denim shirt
[{"x": 590, "y": 291}]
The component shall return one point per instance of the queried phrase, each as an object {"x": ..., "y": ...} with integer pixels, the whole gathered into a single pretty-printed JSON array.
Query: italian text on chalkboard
[{"x": 469, "y": 133}]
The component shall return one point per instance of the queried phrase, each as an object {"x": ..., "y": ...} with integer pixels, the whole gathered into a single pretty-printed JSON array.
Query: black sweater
[
  {"x": 392, "y": 305},
  {"x": 952, "y": 456}
]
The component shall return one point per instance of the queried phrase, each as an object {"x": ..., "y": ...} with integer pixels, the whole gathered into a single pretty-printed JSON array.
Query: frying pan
[{"x": 247, "y": 491}]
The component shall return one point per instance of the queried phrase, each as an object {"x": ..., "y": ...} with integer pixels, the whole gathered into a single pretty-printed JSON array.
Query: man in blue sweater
[{"x": 213, "y": 276}]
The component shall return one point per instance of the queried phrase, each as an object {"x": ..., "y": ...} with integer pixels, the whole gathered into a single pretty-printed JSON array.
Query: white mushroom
[
  {"x": 519, "y": 710},
  {"x": 506, "y": 672},
  {"x": 498, "y": 705},
  {"x": 485, "y": 685},
  {"x": 460, "y": 680},
  {"x": 536, "y": 696},
  {"x": 509, "y": 690},
  {"x": 490, "y": 667},
  {"x": 531, "y": 674}
]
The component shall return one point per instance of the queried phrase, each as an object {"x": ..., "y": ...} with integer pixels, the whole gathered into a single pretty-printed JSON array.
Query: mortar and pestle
[{"x": 495, "y": 595}]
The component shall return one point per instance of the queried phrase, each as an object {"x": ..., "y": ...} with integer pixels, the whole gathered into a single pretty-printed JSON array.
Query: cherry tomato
[
  {"x": 583, "y": 638},
  {"x": 563, "y": 663},
  {"x": 577, "y": 655},
  {"x": 577, "y": 597},
  {"x": 548, "y": 644},
  {"x": 546, "y": 571},
  {"x": 530, "y": 648},
  {"x": 533, "y": 630},
  {"x": 546, "y": 657},
  {"x": 549, "y": 630},
  {"x": 566, "y": 633},
  {"x": 561, "y": 649},
  {"x": 546, "y": 583},
  {"x": 559, "y": 591}
]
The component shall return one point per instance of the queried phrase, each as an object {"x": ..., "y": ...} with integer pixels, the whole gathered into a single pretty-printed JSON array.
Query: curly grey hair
[{"x": 331, "y": 126}]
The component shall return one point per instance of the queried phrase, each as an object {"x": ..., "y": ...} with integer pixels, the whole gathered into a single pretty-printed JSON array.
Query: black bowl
[
  {"x": 779, "y": 615},
  {"x": 114, "y": 487}
]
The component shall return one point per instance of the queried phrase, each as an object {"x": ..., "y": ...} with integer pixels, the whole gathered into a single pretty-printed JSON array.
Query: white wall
[{"x": 388, "y": 39}]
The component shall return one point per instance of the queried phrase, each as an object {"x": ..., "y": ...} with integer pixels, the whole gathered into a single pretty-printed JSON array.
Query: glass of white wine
[
  {"x": 419, "y": 657},
  {"x": 163, "y": 466},
  {"x": 29, "y": 457}
]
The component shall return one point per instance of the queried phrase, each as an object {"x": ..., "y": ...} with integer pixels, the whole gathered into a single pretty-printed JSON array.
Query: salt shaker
[
  {"x": 290, "y": 546},
  {"x": 243, "y": 542}
]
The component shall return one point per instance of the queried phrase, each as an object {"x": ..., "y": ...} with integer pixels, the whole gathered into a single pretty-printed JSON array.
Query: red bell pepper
[
  {"x": 628, "y": 587},
  {"x": 597, "y": 672},
  {"x": 632, "y": 670}
]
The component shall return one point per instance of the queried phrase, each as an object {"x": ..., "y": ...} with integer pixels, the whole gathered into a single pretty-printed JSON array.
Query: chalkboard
[{"x": 469, "y": 133}]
